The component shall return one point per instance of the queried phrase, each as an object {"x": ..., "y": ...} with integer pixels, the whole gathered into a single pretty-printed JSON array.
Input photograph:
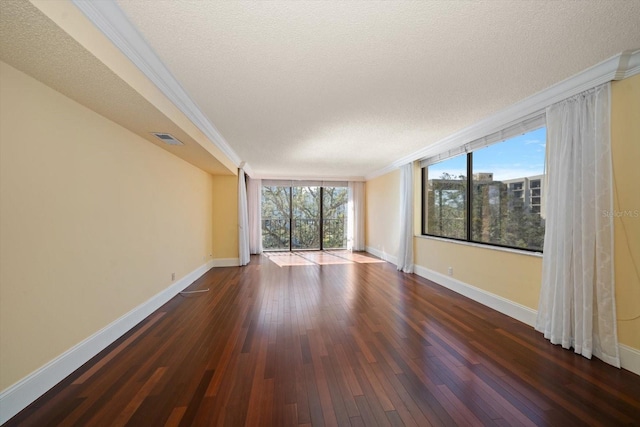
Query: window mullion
[
  {"x": 469, "y": 193},
  {"x": 424, "y": 201},
  {"x": 290, "y": 219},
  {"x": 321, "y": 227}
]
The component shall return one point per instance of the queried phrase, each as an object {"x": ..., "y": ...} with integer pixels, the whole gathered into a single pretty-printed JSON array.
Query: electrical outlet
[
  {"x": 450, "y": 271},
  {"x": 173, "y": 276}
]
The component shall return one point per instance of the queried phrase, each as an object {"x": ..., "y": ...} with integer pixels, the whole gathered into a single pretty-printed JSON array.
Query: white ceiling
[
  {"x": 338, "y": 88},
  {"x": 344, "y": 89}
]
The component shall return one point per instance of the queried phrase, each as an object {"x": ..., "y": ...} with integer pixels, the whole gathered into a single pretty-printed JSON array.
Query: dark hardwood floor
[{"x": 349, "y": 344}]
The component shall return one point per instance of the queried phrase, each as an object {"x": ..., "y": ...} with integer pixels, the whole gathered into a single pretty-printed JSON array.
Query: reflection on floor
[{"x": 285, "y": 259}]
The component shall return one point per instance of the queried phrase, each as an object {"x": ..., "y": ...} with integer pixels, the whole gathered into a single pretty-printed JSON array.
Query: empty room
[{"x": 319, "y": 213}]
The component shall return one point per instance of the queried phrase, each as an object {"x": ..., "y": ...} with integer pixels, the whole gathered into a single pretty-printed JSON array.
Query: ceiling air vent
[{"x": 167, "y": 138}]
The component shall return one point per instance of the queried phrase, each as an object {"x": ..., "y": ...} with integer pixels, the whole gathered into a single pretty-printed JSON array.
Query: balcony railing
[{"x": 305, "y": 233}]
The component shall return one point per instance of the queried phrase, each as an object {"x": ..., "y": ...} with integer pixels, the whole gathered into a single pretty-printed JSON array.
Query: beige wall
[
  {"x": 93, "y": 222},
  {"x": 68, "y": 17},
  {"x": 382, "y": 227},
  {"x": 625, "y": 141},
  {"x": 512, "y": 276},
  {"x": 225, "y": 217},
  {"x": 517, "y": 277}
]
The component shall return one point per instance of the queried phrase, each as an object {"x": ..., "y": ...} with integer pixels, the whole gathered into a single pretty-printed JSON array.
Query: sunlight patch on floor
[{"x": 286, "y": 259}]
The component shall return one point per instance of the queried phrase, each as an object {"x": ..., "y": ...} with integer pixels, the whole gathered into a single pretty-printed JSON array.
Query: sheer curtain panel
[
  {"x": 355, "y": 217},
  {"x": 254, "y": 205},
  {"x": 577, "y": 299},
  {"x": 405, "y": 252},
  {"x": 243, "y": 220}
]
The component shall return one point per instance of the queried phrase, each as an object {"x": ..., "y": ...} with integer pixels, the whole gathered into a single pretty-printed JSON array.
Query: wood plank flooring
[{"x": 347, "y": 345}]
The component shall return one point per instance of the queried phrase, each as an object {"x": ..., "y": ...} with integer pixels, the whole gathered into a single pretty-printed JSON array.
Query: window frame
[
  {"x": 469, "y": 204},
  {"x": 424, "y": 200},
  {"x": 322, "y": 186}
]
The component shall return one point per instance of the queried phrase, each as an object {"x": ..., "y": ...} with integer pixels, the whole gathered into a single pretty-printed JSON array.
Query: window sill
[{"x": 482, "y": 246}]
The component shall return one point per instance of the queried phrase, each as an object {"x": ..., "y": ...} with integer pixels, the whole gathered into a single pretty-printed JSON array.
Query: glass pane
[
  {"x": 305, "y": 232},
  {"x": 334, "y": 222},
  {"x": 507, "y": 194},
  {"x": 446, "y": 210},
  {"x": 276, "y": 218}
]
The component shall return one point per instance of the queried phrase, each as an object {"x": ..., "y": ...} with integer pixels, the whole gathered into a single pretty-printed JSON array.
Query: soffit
[{"x": 34, "y": 44}]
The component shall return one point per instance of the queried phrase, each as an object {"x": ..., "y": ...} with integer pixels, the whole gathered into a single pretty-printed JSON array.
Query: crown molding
[
  {"x": 107, "y": 16},
  {"x": 618, "y": 67},
  {"x": 632, "y": 66},
  {"x": 310, "y": 178},
  {"x": 247, "y": 169},
  {"x": 387, "y": 169}
]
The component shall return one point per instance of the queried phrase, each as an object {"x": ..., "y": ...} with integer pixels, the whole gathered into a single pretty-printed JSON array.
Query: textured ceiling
[
  {"x": 339, "y": 88},
  {"x": 32, "y": 43},
  {"x": 328, "y": 89}
]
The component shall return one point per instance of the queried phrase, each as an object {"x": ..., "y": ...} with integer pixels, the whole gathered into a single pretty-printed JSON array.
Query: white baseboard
[
  {"x": 28, "y": 389},
  {"x": 496, "y": 302},
  {"x": 629, "y": 356},
  {"x": 226, "y": 262},
  {"x": 382, "y": 255},
  {"x": 18, "y": 396}
]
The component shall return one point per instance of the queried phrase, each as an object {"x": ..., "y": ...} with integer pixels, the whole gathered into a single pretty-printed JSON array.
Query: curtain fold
[
  {"x": 243, "y": 220},
  {"x": 577, "y": 300},
  {"x": 254, "y": 206},
  {"x": 355, "y": 217},
  {"x": 405, "y": 251}
]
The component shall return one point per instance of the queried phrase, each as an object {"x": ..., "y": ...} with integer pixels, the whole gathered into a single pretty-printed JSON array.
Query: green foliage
[
  {"x": 306, "y": 218},
  {"x": 447, "y": 202},
  {"x": 497, "y": 217},
  {"x": 275, "y": 217},
  {"x": 292, "y": 215},
  {"x": 501, "y": 218},
  {"x": 334, "y": 211}
]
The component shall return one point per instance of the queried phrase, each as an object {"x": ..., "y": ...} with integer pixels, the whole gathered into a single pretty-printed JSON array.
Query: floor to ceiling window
[
  {"x": 334, "y": 217},
  {"x": 305, "y": 225},
  {"x": 304, "y": 215},
  {"x": 276, "y": 217}
]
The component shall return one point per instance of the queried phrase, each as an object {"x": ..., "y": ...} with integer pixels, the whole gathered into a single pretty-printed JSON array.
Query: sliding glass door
[
  {"x": 303, "y": 217},
  {"x": 276, "y": 218},
  {"x": 334, "y": 217},
  {"x": 306, "y": 218}
]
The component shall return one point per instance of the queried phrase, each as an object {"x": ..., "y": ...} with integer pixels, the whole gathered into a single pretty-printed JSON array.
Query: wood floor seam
[{"x": 346, "y": 343}]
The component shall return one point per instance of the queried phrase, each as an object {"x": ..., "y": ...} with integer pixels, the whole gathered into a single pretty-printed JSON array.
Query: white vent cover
[{"x": 167, "y": 138}]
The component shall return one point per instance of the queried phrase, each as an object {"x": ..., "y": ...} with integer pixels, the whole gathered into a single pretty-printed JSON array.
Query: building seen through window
[{"x": 493, "y": 195}]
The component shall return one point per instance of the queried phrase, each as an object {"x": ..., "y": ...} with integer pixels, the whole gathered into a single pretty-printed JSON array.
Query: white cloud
[{"x": 533, "y": 141}]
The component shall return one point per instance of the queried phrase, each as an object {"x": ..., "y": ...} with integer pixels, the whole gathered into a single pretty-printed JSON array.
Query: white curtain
[
  {"x": 577, "y": 300},
  {"x": 254, "y": 205},
  {"x": 405, "y": 252},
  {"x": 243, "y": 220},
  {"x": 355, "y": 217}
]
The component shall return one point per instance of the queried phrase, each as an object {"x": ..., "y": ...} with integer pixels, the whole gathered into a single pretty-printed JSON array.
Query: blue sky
[{"x": 515, "y": 158}]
